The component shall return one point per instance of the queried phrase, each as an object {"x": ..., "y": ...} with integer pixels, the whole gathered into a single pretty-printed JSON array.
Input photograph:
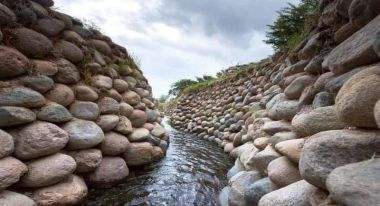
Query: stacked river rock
[
  {"x": 73, "y": 111},
  {"x": 303, "y": 126}
]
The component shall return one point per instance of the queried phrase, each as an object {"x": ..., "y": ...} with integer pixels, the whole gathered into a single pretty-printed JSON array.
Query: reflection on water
[{"x": 192, "y": 173}]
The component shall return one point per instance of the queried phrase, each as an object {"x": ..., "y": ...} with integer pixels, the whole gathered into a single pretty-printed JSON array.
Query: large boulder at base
[
  {"x": 48, "y": 170},
  {"x": 61, "y": 94},
  {"x": 239, "y": 185},
  {"x": 124, "y": 126},
  {"x": 107, "y": 122},
  {"x": 356, "y": 100},
  {"x": 114, "y": 144},
  {"x": 262, "y": 159},
  {"x": 297, "y": 193},
  {"x": 11, "y": 169},
  {"x": 12, "y": 116},
  {"x": 9, "y": 198},
  {"x": 139, "y": 153},
  {"x": 354, "y": 51},
  {"x": 291, "y": 149},
  {"x": 356, "y": 184},
  {"x": 13, "y": 63},
  {"x": 31, "y": 43},
  {"x": 53, "y": 112},
  {"x": 138, "y": 118},
  {"x": 49, "y": 26},
  {"x": 38, "y": 139},
  {"x": 139, "y": 135},
  {"x": 256, "y": 191},
  {"x": 68, "y": 192},
  {"x": 67, "y": 72},
  {"x": 87, "y": 160},
  {"x": 85, "y": 93},
  {"x": 83, "y": 134},
  {"x": 85, "y": 110},
  {"x": 283, "y": 172},
  {"x": 112, "y": 170},
  {"x": 6, "y": 144},
  {"x": 321, "y": 119},
  {"x": 325, "y": 151},
  {"x": 21, "y": 97}
]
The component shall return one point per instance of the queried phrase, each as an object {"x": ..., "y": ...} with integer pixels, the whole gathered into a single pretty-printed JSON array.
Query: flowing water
[{"x": 192, "y": 173}]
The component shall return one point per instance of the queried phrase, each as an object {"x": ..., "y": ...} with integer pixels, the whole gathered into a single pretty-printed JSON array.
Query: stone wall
[
  {"x": 75, "y": 111},
  {"x": 303, "y": 126}
]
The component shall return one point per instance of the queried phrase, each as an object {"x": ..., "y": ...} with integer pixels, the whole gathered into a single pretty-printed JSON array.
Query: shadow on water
[{"x": 192, "y": 173}]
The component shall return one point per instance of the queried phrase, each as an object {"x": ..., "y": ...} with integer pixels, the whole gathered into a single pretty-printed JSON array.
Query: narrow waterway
[{"x": 192, "y": 173}]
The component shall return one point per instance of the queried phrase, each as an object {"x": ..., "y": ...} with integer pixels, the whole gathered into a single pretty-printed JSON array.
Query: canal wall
[
  {"x": 75, "y": 109},
  {"x": 302, "y": 125}
]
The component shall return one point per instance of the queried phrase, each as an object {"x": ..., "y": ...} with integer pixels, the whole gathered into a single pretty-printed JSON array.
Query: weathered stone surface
[
  {"x": 69, "y": 51},
  {"x": 45, "y": 3},
  {"x": 283, "y": 110},
  {"x": 107, "y": 122},
  {"x": 297, "y": 193},
  {"x": 256, "y": 191},
  {"x": 7, "y": 16},
  {"x": 124, "y": 126},
  {"x": 21, "y": 97},
  {"x": 83, "y": 134},
  {"x": 158, "y": 131},
  {"x": 336, "y": 82},
  {"x": 355, "y": 51},
  {"x": 138, "y": 153},
  {"x": 45, "y": 67},
  {"x": 291, "y": 149},
  {"x": 112, "y": 170},
  {"x": 38, "y": 139},
  {"x": 85, "y": 110},
  {"x": 87, "y": 160},
  {"x": 282, "y": 136},
  {"x": 157, "y": 153},
  {"x": 261, "y": 142},
  {"x": 323, "y": 99},
  {"x": 67, "y": 72},
  {"x": 114, "y": 144},
  {"x": 356, "y": 184},
  {"x": 12, "y": 116},
  {"x": 238, "y": 167},
  {"x": 139, "y": 135},
  {"x": 295, "y": 89},
  {"x": 274, "y": 127},
  {"x": 49, "y": 26},
  {"x": 261, "y": 160},
  {"x": 239, "y": 185},
  {"x": 10, "y": 198},
  {"x": 31, "y": 43},
  {"x": 11, "y": 169},
  {"x": 125, "y": 109},
  {"x": 39, "y": 83},
  {"x": 120, "y": 85},
  {"x": 223, "y": 196},
  {"x": 6, "y": 144},
  {"x": 325, "y": 151},
  {"x": 377, "y": 113},
  {"x": 283, "y": 172},
  {"x": 68, "y": 192},
  {"x": 13, "y": 63},
  {"x": 356, "y": 100},
  {"x": 102, "y": 82},
  {"x": 138, "y": 118},
  {"x": 48, "y": 170},
  {"x": 363, "y": 11},
  {"x": 85, "y": 93},
  {"x": 53, "y": 112},
  {"x": 321, "y": 119},
  {"x": 101, "y": 46},
  {"x": 108, "y": 105},
  {"x": 131, "y": 98},
  {"x": 61, "y": 94}
]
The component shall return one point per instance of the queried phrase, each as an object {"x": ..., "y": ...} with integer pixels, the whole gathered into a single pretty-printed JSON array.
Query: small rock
[
  {"x": 67, "y": 72},
  {"x": 61, "y": 94},
  {"x": 38, "y": 139},
  {"x": 87, "y": 160},
  {"x": 282, "y": 136},
  {"x": 291, "y": 149},
  {"x": 85, "y": 110},
  {"x": 283, "y": 172},
  {"x": 356, "y": 184},
  {"x": 114, "y": 144},
  {"x": 108, "y": 105},
  {"x": 31, "y": 43},
  {"x": 12, "y": 116},
  {"x": 21, "y": 97},
  {"x": 83, "y": 134},
  {"x": 11, "y": 170},
  {"x": 85, "y": 93},
  {"x": 124, "y": 126},
  {"x": 295, "y": 89},
  {"x": 101, "y": 46},
  {"x": 53, "y": 112},
  {"x": 40, "y": 83},
  {"x": 48, "y": 170},
  {"x": 49, "y": 26},
  {"x": 261, "y": 142},
  {"x": 111, "y": 171},
  {"x": 285, "y": 110},
  {"x": 131, "y": 98},
  {"x": 12, "y": 62},
  {"x": 138, "y": 118},
  {"x": 68, "y": 192},
  {"x": 274, "y": 127},
  {"x": 125, "y": 109},
  {"x": 9, "y": 198},
  {"x": 323, "y": 99},
  {"x": 102, "y": 82},
  {"x": 45, "y": 67},
  {"x": 107, "y": 122},
  {"x": 139, "y": 153},
  {"x": 120, "y": 85},
  {"x": 262, "y": 159},
  {"x": 139, "y": 135}
]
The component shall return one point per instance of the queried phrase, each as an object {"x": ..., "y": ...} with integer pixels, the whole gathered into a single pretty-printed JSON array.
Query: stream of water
[{"x": 192, "y": 173}]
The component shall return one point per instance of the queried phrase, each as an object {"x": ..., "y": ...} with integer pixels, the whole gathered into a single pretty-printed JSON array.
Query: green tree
[
  {"x": 291, "y": 25},
  {"x": 180, "y": 85}
]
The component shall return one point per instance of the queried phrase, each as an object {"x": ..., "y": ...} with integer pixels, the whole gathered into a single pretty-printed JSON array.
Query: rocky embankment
[
  {"x": 75, "y": 111},
  {"x": 303, "y": 126}
]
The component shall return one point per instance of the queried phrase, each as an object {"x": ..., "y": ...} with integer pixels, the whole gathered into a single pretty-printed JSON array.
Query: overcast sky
[{"x": 177, "y": 39}]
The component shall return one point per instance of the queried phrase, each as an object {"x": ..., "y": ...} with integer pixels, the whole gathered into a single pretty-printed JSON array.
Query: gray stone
[
  {"x": 223, "y": 196},
  {"x": 21, "y": 97},
  {"x": 12, "y": 116},
  {"x": 124, "y": 126},
  {"x": 282, "y": 136},
  {"x": 261, "y": 160},
  {"x": 10, "y": 198},
  {"x": 49, "y": 26},
  {"x": 291, "y": 149},
  {"x": 85, "y": 110},
  {"x": 323, "y": 99},
  {"x": 285, "y": 110},
  {"x": 131, "y": 98},
  {"x": 8, "y": 18},
  {"x": 61, "y": 94},
  {"x": 69, "y": 51},
  {"x": 107, "y": 122},
  {"x": 334, "y": 85},
  {"x": 282, "y": 172},
  {"x": 6, "y": 144},
  {"x": 114, "y": 144},
  {"x": 377, "y": 113},
  {"x": 274, "y": 127},
  {"x": 138, "y": 118},
  {"x": 87, "y": 160},
  {"x": 45, "y": 67},
  {"x": 102, "y": 82},
  {"x": 238, "y": 167},
  {"x": 31, "y": 43},
  {"x": 158, "y": 130},
  {"x": 85, "y": 93},
  {"x": 295, "y": 89},
  {"x": 256, "y": 191},
  {"x": 120, "y": 85},
  {"x": 67, "y": 72},
  {"x": 40, "y": 83},
  {"x": 139, "y": 135},
  {"x": 53, "y": 112},
  {"x": 11, "y": 170},
  {"x": 13, "y": 63},
  {"x": 83, "y": 134},
  {"x": 139, "y": 153},
  {"x": 239, "y": 185},
  {"x": 108, "y": 105}
]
